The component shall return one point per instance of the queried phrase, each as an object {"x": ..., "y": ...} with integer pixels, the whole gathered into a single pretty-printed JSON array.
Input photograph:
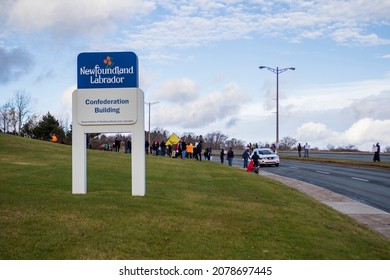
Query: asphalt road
[{"x": 367, "y": 185}]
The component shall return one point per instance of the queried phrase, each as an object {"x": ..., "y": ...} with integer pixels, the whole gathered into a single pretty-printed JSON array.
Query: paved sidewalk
[{"x": 371, "y": 217}]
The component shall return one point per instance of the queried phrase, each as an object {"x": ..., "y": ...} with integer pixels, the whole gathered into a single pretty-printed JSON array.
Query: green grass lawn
[
  {"x": 192, "y": 210},
  {"x": 369, "y": 164}
]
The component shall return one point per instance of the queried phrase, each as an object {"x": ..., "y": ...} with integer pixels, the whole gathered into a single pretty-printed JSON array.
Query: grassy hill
[{"x": 192, "y": 210}]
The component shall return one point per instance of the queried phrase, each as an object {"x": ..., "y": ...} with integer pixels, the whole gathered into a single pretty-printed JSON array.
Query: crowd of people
[
  {"x": 180, "y": 149},
  {"x": 185, "y": 150}
]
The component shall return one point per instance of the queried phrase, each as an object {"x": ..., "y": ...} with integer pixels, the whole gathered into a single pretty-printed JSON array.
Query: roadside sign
[{"x": 107, "y": 70}]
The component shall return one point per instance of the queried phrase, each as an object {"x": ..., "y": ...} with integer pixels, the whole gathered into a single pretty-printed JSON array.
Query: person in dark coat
[
  {"x": 299, "y": 149},
  {"x": 230, "y": 156},
  {"x": 199, "y": 151},
  {"x": 117, "y": 144},
  {"x": 377, "y": 152},
  {"x": 255, "y": 159},
  {"x": 245, "y": 156},
  {"x": 222, "y": 155}
]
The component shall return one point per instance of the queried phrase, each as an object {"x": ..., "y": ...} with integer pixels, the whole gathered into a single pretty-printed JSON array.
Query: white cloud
[
  {"x": 362, "y": 134},
  {"x": 66, "y": 99},
  {"x": 73, "y": 15},
  {"x": 339, "y": 96},
  {"x": 374, "y": 106},
  {"x": 202, "y": 111},
  {"x": 314, "y": 132},
  {"x": 355, "y": 35},
  {"x": 183, "y": 24},
  {"x": 176, "y": 91},
  {"x": 192, "y": 23}
]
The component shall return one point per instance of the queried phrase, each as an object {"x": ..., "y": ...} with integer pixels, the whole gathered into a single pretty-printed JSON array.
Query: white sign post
[{"x": 101, "y": 109}]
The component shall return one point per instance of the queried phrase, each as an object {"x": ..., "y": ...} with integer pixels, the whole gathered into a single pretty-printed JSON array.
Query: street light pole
[
  {"x": 150, "y": 104},
  {"x": 277, "y": 71}
]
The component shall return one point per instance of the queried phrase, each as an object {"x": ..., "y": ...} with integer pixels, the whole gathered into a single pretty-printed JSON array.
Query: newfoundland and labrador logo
[
  {"x": 96, "y": 74},
  {"x": 99, "y": 70}
]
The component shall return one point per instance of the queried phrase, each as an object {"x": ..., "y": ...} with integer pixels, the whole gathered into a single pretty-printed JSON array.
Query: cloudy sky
[{"x": 200, "y": 60}]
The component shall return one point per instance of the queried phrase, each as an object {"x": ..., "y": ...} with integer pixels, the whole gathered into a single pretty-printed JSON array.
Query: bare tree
[
  {"x": 158, "y": 134},
  {"x": 287, "y": 143},
  {"x": 190, "y": 137},
  {"x": 22, "y": 106},
  {"x": 13, "y": 118},
  {"x": 235, "y": 143},
  {"x": 29, "y": 126},
  {"x": 5, "y": 116},
  {"x": 215, "y": 139}
]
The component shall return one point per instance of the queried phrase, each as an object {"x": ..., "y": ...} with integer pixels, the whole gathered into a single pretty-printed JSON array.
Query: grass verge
[{"x": 192, "y": 210}]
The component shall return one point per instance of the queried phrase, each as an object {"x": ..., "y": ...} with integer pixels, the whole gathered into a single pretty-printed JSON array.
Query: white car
[{"x": 267, "y": 156}]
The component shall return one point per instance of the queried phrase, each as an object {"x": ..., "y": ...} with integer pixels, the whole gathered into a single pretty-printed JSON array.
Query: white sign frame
[{"x": 79, "y": 140}]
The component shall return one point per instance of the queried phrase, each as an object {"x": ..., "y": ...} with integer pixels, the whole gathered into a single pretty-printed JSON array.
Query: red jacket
[{"x": 251, "y": 166}]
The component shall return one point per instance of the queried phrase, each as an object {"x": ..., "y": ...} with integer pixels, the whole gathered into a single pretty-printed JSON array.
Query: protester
[
  {"x": 255, "y": 158},
  {"x": 117, "y": 144},
  {"x": 299, "y": 149},
  {"x": 222, "y": 155},
  {"x": 306, "y": 148},
  {"x": 252, "y": 168},
  {"x": 230, "y": 156},
  {"x": 183, "y": 149},
  {"x": 54, "y": 138},
  {"x": 190, "y": 150},
  {"x": 128, "y": 147},
  {"x": 163, "y": 148},
  {"x": 199, "y": 151},
  {"x": 245, "y": 157},
  {"x": 147, "y": 147},
  {"x": 377, "y": 152}
]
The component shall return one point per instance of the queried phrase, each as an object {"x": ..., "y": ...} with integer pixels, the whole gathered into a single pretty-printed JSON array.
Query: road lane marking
[
  {"x": 322, "y": 172},
  {"x": 360, "y": 179},
  {"x": 293, "y": 167}
]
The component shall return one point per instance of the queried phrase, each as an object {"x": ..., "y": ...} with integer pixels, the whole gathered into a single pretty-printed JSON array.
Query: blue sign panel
[{"x": 107, "y": 70}]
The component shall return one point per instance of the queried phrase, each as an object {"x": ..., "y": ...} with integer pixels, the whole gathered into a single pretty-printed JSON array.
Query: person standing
[
  {"x": 117, "y": 144},
  {"x": 245, "y": 157},
  {"x": 377, "y": 152},
  {"x": 222, "y": 155},
  {"x": 206, "y": 154},
  {"x": 299, "y": 149},
  {"x": 163, "y": 147},
  {"x": 306, "y": 148},
  {"x": 199, "y": 151},
  {"x": 190, "y": 150},
  {"x": 230, "y": 156},
  {"x": 147, "y": 147},
  {"x": 183, "y": 149},
  {"x": 128, "y": 146}
]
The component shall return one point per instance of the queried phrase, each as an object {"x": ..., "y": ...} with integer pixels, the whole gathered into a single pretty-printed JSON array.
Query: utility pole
[
  {"x": 150, "y": 104},
  {"x": 277, "y": 71}
]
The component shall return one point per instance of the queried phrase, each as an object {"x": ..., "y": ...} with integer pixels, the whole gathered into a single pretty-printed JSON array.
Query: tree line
[{"x": 16, "y": 118}]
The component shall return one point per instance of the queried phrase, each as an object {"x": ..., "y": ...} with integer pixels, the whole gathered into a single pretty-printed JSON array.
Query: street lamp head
[
  {"x": 261, "y": 67},
  {"x": 292, "y": 68}
]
